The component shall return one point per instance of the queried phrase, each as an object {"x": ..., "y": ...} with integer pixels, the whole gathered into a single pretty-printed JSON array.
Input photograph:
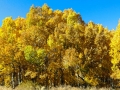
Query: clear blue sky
[{"x": 105, "y": 12}]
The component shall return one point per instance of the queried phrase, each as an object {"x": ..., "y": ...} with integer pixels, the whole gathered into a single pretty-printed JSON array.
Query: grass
[
  {"x": 32, "y": 86},
  {"x": 58, "y": 88},
  {"x": 76, "y": 88}
]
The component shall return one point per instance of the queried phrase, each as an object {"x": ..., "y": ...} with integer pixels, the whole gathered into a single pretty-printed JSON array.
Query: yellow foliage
[
  {"x": 7, "y": 81},
  {"x": 28, "y": 73},
  {"x": 70, "y": 58},
  {"x": 91, "y": 80},
  {"x": 115, "y": 52},
  {"x": 116, "y": 74},
  {"x": 58, "y": 43},
  {"x": 33, "y": 75},
  {"x": 43, "y": 76}
]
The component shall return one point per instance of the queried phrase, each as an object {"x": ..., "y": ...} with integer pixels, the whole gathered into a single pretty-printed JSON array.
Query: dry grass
[
  {"x": 32, "y": 86},
  {"x": 58, "y": 88},
  {"x": 76, "y": 88}
]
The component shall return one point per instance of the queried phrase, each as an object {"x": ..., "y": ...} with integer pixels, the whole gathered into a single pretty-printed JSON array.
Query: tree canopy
[{"x": 53, "y": 47}]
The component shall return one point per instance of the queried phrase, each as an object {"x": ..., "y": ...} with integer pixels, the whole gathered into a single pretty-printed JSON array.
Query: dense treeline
[{"x": 55, "y": 48}]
